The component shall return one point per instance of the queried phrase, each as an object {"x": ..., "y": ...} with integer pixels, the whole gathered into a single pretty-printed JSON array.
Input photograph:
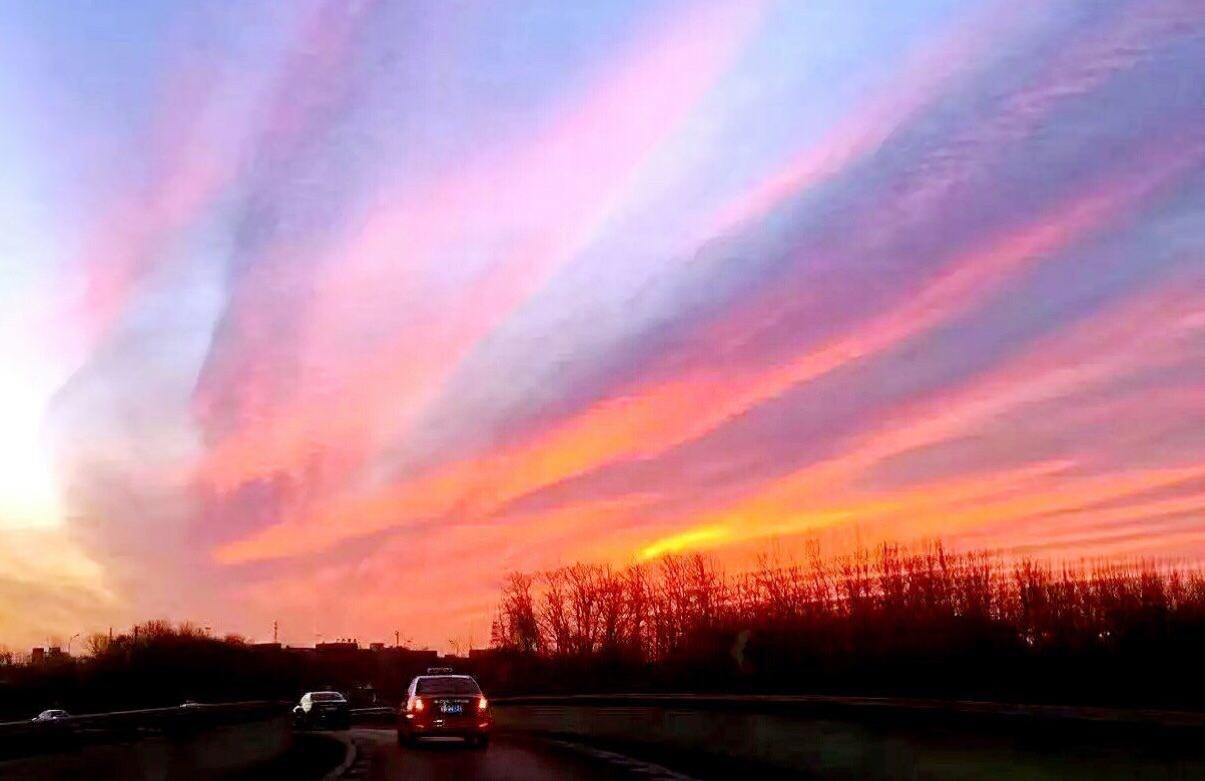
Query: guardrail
[
  {"x": 23, "y": 737},
  {"x": 376, "y": 715},
  {"x": 835, "y": 705},
  {"x": 869, "y": 737}
]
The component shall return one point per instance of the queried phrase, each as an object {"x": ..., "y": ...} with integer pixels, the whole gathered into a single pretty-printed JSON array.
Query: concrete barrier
[
  {"x": 377, "y": 715},
  {"x": 131, "y": 722},
  {"x": 871, "y": 738},
  {"x": 23, "y": 738},
  {"x": 229, "y": 751}
]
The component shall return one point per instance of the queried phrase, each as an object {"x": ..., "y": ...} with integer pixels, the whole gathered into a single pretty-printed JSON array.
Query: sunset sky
[{"x": 333, "y": 312}]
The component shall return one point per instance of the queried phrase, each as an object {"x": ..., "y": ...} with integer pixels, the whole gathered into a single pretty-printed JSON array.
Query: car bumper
[
  {"x": 445, "y": 728},
  {"x": 331, "y": 718}
]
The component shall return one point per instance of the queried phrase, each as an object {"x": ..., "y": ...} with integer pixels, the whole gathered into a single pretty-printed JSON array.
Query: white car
[{"x": 51, "y": 715}]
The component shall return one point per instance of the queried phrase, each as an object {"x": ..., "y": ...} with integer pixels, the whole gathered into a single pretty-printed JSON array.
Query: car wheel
[{"x": 481, "y": 742}]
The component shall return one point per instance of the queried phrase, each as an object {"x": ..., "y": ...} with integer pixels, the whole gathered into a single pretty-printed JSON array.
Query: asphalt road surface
[{"x": 507, "y": 759}]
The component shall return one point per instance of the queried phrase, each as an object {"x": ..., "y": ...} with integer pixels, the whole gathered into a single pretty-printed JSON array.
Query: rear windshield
[
  {"x": 326, "y": 697},
  {"x": 446, "y": 685}
]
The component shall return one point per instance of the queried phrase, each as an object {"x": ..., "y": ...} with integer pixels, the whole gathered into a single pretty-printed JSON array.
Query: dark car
[
  {"x": 326, "y": 709},
  {"x": 444, "y": 706}
]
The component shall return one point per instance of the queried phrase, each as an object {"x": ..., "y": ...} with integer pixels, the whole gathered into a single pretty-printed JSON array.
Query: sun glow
[
  {"x": 679, "y": 543},
  {"x": 29, "y": 495}
]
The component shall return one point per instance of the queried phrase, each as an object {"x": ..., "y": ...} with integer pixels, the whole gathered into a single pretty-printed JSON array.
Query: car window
[
  {"x": 327, "y": 697},
  {"x": 447, "y": 685}
]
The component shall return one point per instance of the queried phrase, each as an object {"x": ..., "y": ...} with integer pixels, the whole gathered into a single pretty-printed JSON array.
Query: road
[{"x": 507, "y": 759}]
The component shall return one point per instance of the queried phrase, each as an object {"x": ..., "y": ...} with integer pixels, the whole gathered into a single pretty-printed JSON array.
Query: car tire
[{"x": 481, "y": 742}]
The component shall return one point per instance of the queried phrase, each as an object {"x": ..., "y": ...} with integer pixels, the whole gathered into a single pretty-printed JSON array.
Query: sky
[{"x": 334, "y": 312}]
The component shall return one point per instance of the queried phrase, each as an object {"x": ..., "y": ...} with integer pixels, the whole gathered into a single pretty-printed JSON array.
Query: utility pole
[
  {"x": 397, "y": 639},
  {"x": 275, "y": 632}
]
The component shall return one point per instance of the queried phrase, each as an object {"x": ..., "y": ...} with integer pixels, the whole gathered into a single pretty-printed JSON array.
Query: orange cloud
[
  {"x": 808, "y": 502},
  {"x": 649, "y": 420},
  {"x": 420, "y": 565},
  {"x": 644, "y": 420},
  {"x": 1123, "y": 341}
]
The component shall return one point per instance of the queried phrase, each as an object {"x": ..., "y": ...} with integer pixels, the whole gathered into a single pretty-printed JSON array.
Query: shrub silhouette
[{"x": 924, "y": 622}]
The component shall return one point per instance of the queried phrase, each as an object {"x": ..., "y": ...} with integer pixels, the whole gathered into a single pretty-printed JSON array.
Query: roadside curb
[
  {"x": 349, "y": 759},
  {"x": 631, "y": 765}
]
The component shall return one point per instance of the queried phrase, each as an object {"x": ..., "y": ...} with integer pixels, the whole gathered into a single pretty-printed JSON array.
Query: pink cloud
[
  {"x": 648, "y": 420},
  {"x": 193, "y": 163},
  {"x": 535, "y": 207},
  {"x": 928, "y": 73}
]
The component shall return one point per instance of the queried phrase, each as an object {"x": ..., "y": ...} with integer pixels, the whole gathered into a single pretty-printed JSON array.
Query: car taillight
[{"x": 482, "y": 704}]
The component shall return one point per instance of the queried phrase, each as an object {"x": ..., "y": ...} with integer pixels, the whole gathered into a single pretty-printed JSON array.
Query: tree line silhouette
[
  {"x": 154, "y": 664},
  {"x": 161, "y": 664},
  {"x": 890, "y": 621}
]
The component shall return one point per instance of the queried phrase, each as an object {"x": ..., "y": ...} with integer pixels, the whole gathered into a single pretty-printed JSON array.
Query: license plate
[{"x": 452, "y": 708}]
